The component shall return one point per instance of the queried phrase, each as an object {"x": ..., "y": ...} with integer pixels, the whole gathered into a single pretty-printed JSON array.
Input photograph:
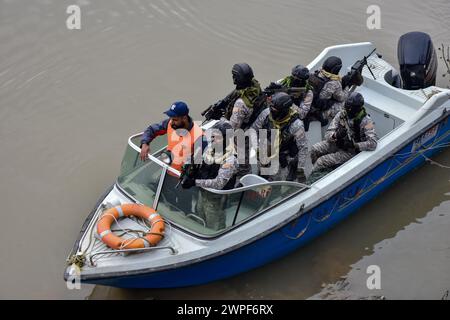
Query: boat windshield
[{"x": 204, "y": 212}]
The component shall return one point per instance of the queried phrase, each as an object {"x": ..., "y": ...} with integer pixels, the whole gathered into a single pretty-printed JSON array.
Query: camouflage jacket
[
  {"x": 305, "y": 105},
  {"x": 241, "y": 114},
  {"x": 225, "y": 174},
  {"x": 296, "y": 129},
  {"x": 367, "y": 140},
  {"x": 243, "y": 107},
  {"x": 333, "y": 90}
]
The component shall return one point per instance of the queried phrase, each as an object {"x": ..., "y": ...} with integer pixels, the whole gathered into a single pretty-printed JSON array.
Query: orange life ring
[{"x": 152, "y": 238}]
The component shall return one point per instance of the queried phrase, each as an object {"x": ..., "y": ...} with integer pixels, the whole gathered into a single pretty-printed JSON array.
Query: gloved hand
[
  {"x": 350, "y": 79},
  {"x": 188, "y": 183},
  {"x": 340, "y": 133},
  {"x": 357, "y": 79},
  {"x": 346, "y": 80},
  {"x": 349, "y": 146}
]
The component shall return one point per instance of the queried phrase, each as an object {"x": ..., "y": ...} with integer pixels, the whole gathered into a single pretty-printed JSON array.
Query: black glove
[
  {"x": 340, "y": 134},
  {"x": 188, "y": 183},
  {"x": 357, "y": 79},
  {"x": 346, "y": 80},
  {"x": 348, "y": 146},
  {"x": 352, "y": 79}
]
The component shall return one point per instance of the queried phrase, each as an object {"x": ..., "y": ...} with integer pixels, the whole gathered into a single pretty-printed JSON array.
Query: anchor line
[
  {"x": 392, "y": 169},
  {"x": 366, "y": 186},
  {"x": 301, "y": 233},
  {"x": 340, "y": 197},
  {"x": 331, "y": 212},
  {"x": 440, "y": 165}
]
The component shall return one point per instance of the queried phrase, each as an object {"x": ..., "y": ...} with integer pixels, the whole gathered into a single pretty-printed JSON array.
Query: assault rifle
[
  {"x": 189, "y": 170},
  {"x": 292, "y": 91},
  {"x": 348, "y": 131},
  {"x": 218, "y": 109}
]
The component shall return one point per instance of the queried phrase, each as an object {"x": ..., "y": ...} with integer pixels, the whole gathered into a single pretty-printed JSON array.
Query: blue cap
[{"x": 178, "y": 109}]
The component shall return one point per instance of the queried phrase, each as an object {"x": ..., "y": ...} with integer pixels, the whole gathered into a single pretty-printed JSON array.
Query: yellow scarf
[
  {"x": 278, "y": 125},
  {"x": 330, "y": 76}
]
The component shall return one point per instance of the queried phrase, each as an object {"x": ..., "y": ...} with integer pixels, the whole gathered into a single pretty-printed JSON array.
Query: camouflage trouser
[
  {"x": 210, "y": 207},
  {"x": 326, "y": 155}
]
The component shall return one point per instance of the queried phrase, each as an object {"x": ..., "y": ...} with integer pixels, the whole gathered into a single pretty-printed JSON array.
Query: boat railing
[
  {"x": 223, "y": 192},
  {"x": 127, "y": 251},
  {"x": 242, "y": 204},
  {"x": 151, "y": 157},
  {"x": 433, "y": 102}
]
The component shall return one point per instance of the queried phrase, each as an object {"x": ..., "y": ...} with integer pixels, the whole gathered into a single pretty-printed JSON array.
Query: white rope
[
  {"x": 422, "y": 151},
  {"x": 435, "y": 162},
  {"x": 124, "y": 230},
  {"x": 444, "y": 145}
]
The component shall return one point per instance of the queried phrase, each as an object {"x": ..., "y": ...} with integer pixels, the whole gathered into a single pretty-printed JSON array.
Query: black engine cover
[{"x": 418, "y": 60}]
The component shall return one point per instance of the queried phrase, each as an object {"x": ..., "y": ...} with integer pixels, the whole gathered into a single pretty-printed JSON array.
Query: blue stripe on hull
[{"x": 294, "y": 235}]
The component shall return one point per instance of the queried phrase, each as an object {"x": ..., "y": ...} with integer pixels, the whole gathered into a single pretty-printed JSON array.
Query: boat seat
[
  {"x": 252, "y": 179},
  {"x": 314, "y": 133}
]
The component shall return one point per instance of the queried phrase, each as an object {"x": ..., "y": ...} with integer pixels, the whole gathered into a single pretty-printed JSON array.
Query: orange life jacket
[{"x": 181, "y": 143}]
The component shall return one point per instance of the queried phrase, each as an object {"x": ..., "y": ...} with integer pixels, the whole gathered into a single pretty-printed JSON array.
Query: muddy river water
[{"x": 69, "y": 99}]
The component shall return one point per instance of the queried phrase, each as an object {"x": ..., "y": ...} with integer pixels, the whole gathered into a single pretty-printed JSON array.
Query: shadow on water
[{"x": 326, "y": 259}]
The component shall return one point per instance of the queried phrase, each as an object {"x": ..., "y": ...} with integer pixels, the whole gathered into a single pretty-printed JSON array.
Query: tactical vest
[
  {"x": 317, "y": 83},
  {"x": 181, "y": 147},
  {"x": 356, "y": 127},
  {"x": 253, "y": 98},
  {"x": 288, "y": 145},
  {"x": 210, "y": 171},
  {"x": 357, "y": 124}
]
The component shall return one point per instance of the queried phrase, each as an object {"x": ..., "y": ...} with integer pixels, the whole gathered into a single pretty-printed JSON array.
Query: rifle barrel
[{"x": 368, "y": 67}]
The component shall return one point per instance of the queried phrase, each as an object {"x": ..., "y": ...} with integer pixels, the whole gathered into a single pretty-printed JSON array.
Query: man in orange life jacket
[
  {"x": 183, "y": 137},
  {"x": 182, "y": 134}
]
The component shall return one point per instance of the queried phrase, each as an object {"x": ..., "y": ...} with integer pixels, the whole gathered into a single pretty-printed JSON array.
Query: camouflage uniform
[
  {"x": 329, "y": 96},
  {"x": 240, "y": 110},
  {"x": 210, "y": 206},
  {"x": 241, "y": 117},
  {"x": 326, "y": 155},
  {"x": 225, "y": 174},
  {"x": 297, "y": 133},
  {"x": 333, "y": 90},
  {"x": 303, "y": 106},
  {"x": 241, "y": 113}
]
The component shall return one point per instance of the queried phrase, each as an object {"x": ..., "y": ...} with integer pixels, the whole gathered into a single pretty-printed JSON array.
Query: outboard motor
[{"x": 418, "y": 60}]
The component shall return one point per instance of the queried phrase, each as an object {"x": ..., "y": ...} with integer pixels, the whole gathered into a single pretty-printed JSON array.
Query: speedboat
[{"x": 412, "y": 126}]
